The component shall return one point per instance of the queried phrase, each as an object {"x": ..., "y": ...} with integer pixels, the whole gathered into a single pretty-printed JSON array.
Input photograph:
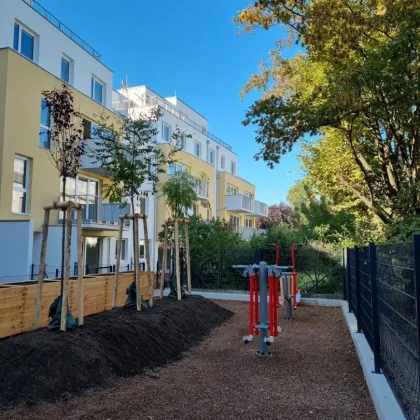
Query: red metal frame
[
  {"x": 251, "y": 304},
  {"x": 295, "y": 276},
  {"x": 277, "y": 248}
]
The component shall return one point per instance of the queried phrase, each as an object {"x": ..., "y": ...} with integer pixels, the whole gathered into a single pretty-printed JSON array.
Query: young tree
[
  {"x": 129, "y": 155},
  {"x": 66, "y": 142}
]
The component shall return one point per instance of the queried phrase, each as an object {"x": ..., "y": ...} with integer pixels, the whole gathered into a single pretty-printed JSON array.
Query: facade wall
[
  {"x": 20, "y": 135},
  {"x": 50, "y": 45},
  {"x": 15, "y": 248}
]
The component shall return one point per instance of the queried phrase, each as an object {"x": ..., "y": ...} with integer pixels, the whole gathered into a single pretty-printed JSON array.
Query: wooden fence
[{"x": 17, "y": 300}]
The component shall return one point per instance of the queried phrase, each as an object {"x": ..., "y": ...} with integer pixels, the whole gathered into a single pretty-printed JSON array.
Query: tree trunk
[{"x": 63, "y": 239}]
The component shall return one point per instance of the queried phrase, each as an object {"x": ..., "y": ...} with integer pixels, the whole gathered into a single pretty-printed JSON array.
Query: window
[
  {"x": 97, "y": 90},
  {"x": 231, "y": 189},
  {"x": 183, "y": 144},
  {"x": 248, "y": 194},
  {"x": 166, "y": 131},
  {"x": 24, "y": 41},
  {"x": 211, "y": 156},
  {"x": 142, "y": 254},
  {"x": 249, "y": 223},
  {"x": 65, "y": 69},
  {"x": 45, "y": 126},
  {"x": 222, "y": 162},
  {"x": 233, "y": 168},
  {"x": 197, "y": 149},
  {"x": 176, "y": 167},
  {"x": 123, "y": 249},
  {"x": 20, "y": 185},
  {"x": 208, "y": 215},
  {"x": 234, "y": 222}
]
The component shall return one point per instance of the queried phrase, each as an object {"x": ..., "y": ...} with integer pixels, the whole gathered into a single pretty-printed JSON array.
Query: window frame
[
  {"x": 142, "y": 243},
  {"x": 95, "y": 80},
  {"x": 249, "y": 194},
  {"x": 124, "y": 249},
  {"x": 25, "y": 189},
  {"x": 234, "y": 225},
  {"x": 211, "y": 153},
  {"x": 249, "y": 223},
  {"x": 233, "y": 167},
  {"x": 222, "y": 162},
  {"x": 165, "y": 125},
  {"x": 234, "y": 188},
  {"x": 197, "y": 143},
  {"x": 70, "y": 73},
  {"x": 18, "y": 48},
  {"x": 45, "y": 127},
  {"x": 176, "y": 165}
]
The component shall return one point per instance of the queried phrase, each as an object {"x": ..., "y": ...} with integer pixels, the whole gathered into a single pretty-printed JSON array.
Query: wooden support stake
[
  {"x": 64, "y": 298},
  {"x": 41, "y": 273},
  {"x": 80, "y": 285},
  {"x": 149, "y": 273},
  {"x": 164, "y": 261},
  {"x": 187, "y": 250},
  {"x": 178, "y": 275},
  {"x": 117, "y": 263},
  {"x": 137, "y": 260}
]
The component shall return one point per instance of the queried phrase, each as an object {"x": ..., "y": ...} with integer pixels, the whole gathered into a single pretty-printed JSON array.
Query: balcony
[
  {"x": 260, "y": 209},
  {"x": 98, "y": 215},
  {"x": 248, "y": 233},
  {"x": 239, "y": 203},
  {"x": 124, "y": 106},
  {"x": 63, "y": 28}
]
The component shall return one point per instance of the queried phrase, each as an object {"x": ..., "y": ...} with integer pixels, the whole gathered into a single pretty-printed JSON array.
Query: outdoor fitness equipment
[
  {"x": 296, "y": 291},
  {"x": 176, "y": 223},
  {"x": 263, "y": 321}
]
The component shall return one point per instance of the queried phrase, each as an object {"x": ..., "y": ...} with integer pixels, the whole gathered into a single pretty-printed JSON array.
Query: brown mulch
[{"x": 314, "y": 373}]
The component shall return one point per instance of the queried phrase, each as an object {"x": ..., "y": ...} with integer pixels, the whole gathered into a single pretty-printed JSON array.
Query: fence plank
[
  {"x": 416, "y": 254},
  {"x": 358, "y": 295}
]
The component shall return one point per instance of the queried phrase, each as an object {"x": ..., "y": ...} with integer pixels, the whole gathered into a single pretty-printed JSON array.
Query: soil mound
[{"x": 47, "y": 366}]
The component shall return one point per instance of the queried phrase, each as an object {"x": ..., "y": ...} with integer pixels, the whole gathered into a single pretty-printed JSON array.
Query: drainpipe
[{"x": 216, "y": 189}]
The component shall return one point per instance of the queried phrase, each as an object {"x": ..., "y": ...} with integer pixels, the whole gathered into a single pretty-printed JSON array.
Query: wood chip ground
[{"x": 314, "y": 373}]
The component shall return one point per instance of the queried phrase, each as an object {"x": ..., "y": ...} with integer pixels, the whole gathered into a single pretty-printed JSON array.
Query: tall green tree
[{"x": 357, "y": 84}]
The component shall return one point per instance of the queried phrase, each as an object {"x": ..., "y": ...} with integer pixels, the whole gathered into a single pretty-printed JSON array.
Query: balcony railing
[
  {"x": 260, "y": 209},
  {"x": 156, "y": 101},
  {"x": 239, "y": 203},
  {"x": 97, "y": 212},
  {"x": 63, "y": 28}
]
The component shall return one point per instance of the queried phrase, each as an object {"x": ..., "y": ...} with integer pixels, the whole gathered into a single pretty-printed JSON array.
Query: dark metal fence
[
  {"x": 320, "y": 272},
  {"x": 383, "y": 291}
]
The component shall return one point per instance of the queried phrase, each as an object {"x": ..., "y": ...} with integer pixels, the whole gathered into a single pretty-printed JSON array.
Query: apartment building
[
  {"x": 223, "y": 193},
  {"x": 39, "y": 53}
]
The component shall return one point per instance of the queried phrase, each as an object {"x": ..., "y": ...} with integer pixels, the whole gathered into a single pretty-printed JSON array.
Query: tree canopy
[{"x": 353, "y": 90}]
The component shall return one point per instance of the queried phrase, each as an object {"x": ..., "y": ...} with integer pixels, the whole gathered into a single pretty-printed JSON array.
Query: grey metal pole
[
  {"x": 289, "y": 309},
  {"x": 263, "y": 326}
]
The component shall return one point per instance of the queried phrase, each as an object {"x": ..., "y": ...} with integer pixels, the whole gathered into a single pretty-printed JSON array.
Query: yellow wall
[
  {"x": 196, "y": 167},
  {"x": 226, "y": 178},
  {"x": 21, "y": 85}
]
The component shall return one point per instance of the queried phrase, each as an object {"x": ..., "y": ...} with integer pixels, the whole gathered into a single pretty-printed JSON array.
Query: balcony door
[{"x": 84, "y": 190}]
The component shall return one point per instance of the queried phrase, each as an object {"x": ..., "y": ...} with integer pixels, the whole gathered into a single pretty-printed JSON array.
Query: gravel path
[{"x": 313, "y": 373}]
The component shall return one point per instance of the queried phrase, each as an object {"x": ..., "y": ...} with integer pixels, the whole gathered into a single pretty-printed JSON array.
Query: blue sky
[{"x": 191, "y": 47}]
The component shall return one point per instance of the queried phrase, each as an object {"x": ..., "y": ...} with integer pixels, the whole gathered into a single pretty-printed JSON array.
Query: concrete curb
[{"x": 386, "y": 405}]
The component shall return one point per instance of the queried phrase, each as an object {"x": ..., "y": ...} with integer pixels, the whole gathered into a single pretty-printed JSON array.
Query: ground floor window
[
  {"x": 249, "y": 223},
  {"x": 235, "y": 222},
  {"x": 20, "y": 185}
]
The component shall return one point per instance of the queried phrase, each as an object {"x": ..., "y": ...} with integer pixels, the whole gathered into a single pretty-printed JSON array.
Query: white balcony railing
[
  {"x": 260, "y": 209},
  {"x": 239, "y": 203}
]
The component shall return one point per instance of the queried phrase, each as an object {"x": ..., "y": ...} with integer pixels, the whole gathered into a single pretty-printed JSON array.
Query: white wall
[
  {"x": 16, "y": 247},
  {"x": 190, "y": 112},
  {"x": 51, "y": 44}
]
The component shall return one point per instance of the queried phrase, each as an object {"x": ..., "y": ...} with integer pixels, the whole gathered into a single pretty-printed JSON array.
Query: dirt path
[{"x": 313, "y": 373}]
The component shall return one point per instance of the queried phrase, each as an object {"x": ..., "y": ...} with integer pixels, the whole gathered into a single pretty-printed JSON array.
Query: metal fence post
[
  {"x": 416, "y": 254},
  {"x": 344, "y": 274},
  {"x": 348, "y": 280},
  {"x": 375, "y": 313},
  {"x": 32, "y": 271},
  {"x": 358, "y": 296}
]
